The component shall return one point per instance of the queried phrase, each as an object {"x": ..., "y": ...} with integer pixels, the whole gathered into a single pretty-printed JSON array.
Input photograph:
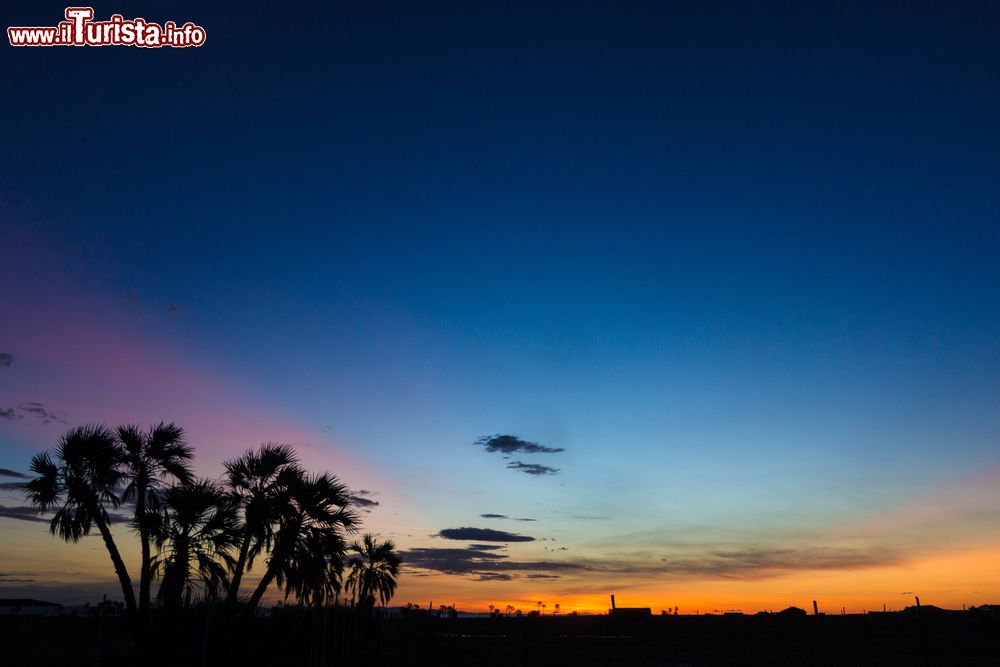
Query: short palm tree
[
  {"x": 258, "y": 482},
  {"x": 196, "y": 532},
  {"x": 80, "y": 484},
  {"x": 374, "y": 569},
  {"x": 309, "y": 503},
  {"x": 152, "y": 457},
  {"x": 313, "y": 573}
]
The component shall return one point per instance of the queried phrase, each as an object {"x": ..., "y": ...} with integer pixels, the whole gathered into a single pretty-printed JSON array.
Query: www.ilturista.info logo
[{"x": 79, "y": 29}]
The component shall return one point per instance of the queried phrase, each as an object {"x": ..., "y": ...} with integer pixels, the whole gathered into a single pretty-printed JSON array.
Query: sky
[{"x": 692, "y": 303}]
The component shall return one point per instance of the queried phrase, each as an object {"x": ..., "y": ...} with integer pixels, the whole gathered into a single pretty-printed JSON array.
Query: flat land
[{"x": 305, "y": 639}]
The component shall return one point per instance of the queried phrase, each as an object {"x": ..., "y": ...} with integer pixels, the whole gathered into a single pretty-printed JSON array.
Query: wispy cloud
[
  {"x": 488, "y": 565},
  {"x": 6, "y": 359},
  {"x": 511, "y": 444},
  {"x": 364, "y": 503},
  {"x": 33, "y": 409},
  {"x": 22, "y": 514},
  {"x": 483, "y": 535},
  {"x": 7, "y": 472},
  {"x": 40, "y": 411},
  {"x": 741, "y": 563},
  {"x": 27, "y": 513},
  {"x": 536, "y": 469},
  {"x": 504, "y": 516}
]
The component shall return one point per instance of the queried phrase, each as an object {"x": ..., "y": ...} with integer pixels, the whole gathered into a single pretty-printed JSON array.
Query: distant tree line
[{"x": 198, "y": 537}]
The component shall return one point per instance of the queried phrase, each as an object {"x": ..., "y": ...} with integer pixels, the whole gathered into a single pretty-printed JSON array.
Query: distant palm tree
[
  {"x": 152, "y": 457},
  {"x": 374, "y": 568},
  {"x": 259, "y": 481},
  {"x": 307, "y": 504},
  {"x": 196, "y": 532},
  {"x": 83, "y": 482}
]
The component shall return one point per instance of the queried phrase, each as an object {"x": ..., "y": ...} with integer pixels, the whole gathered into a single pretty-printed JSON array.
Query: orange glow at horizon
[{"x": 969, "y": 577}]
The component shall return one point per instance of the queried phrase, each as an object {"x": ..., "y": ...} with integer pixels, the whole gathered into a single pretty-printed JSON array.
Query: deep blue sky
[{"x": 752, "y": 246}]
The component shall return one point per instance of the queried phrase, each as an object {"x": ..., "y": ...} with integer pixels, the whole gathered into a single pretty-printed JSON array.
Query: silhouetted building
[
  {"x": 792, "y": 611},
  {"x": 28, "y": 607}
]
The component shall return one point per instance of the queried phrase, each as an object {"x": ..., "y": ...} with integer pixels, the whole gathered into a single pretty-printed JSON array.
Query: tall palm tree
[
  {"x": 196, "y": 532},
  {"x": 374, "y": 569},
  {"x": 152, "y": 457},
  {"x": 81, "y": 484},
  {"x": 310, "y": 503},
  {"x": 258, "y": 481}
]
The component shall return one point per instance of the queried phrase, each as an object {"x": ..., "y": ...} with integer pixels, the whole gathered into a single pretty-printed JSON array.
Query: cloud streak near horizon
[{"x": 483, "y": 535}]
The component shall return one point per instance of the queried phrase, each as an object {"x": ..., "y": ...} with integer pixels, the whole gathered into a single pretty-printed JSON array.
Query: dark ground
[{"x": 310, "y": 639}]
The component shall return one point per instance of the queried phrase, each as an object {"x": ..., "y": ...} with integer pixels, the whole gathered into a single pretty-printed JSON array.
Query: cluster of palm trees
[{"x": 199, "y": 537}]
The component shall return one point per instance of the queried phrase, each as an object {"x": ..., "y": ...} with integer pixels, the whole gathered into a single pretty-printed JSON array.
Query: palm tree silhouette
[
  {"x": 82, "y": 482},
  {"x": 306, "y": 504},
  {"x": 151, "y": 457},
  {"x": 195, "y": 531},
  {"x": 258, "y": 481},
  {"x": 374, "y": 568},
  {"x": 314, "y": 571}
]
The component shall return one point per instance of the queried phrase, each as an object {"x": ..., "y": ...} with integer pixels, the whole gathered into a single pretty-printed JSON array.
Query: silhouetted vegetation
[{"x": 200, "y": 537}]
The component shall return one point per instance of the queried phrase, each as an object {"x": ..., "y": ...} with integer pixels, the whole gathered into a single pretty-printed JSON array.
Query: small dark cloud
[
  {"x": 487, "y": 547},
  {"x": 494, "y": 576},
  {"x": 483, "y": 535},
  {"x": 524, "y": 519},
  {"x": 363, "y": 499},
  {"x": 536, "y": 469},
  {"x": 510, "y": 444},
  {"x": 43, "y": 413},
  {"x": 542, "y": 576},
  {"x": 22, "y": 514},
  {"x": 6, "y": 359},
  {"x": 493, "y": 516},
  {"x": 364, "y": 503},
  {"x": 34, "y": 409},
  {"x": 7, "y": 472},
  {"x": 12, "y": 486}
]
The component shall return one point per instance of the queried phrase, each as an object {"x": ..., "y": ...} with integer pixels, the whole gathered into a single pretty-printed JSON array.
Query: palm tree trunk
[
  {"x": 145, "y": 571},
  {"x": 258, "y": 592},
  {"x": 241, "y": 563},
  {"x": 282, "y": 548},
  {"x": 116, "y": 558}
]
